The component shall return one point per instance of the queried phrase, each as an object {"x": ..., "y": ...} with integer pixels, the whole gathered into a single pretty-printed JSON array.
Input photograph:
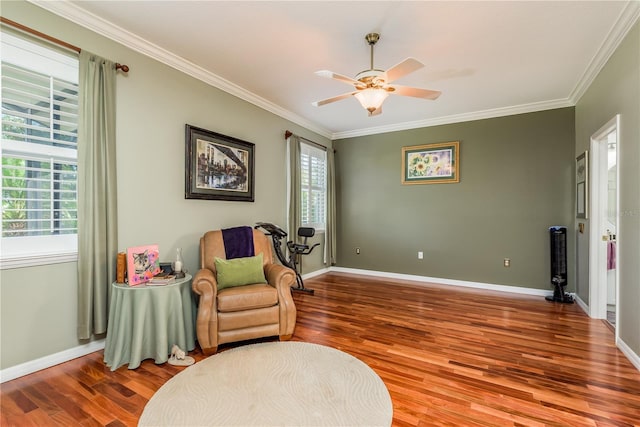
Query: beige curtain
[
  {"x": 330, "y": 249},
  {"x": 293, "y": 184},
  {"x": 97, "y": 193}
]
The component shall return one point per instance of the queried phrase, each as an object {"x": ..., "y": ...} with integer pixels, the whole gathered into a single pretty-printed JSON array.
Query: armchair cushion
[
  {"x": 239, "y": 271},
  {"x": 247, "y": 298}
]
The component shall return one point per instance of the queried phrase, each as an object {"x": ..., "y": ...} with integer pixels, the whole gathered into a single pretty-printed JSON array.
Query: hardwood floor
[{"x": 449, "y": 356}]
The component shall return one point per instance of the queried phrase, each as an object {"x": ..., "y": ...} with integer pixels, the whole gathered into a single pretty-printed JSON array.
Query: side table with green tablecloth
[{"x": 146, "y": 321}]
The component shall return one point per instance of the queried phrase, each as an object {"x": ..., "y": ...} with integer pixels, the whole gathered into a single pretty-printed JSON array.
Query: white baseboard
[
  {"x": 626, "y": 350},
  {"x": 32, "y": 366},
  {"x": 441, "y": 281},
  {"x": 582, "y": 304},
  {"x": 315, "y": 273},
  {"x": 26, "y": 368}
]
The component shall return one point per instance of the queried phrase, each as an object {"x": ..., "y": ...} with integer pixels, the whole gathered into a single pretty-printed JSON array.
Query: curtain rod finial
[
  {"x": 287, "y": 134},
  {"x": 123, "y": 67}
]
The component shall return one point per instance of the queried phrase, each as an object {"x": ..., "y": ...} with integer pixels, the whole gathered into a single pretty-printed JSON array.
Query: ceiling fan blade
[
  {"x": 331, "y": 75},
  {"x": 415, "y": 92},
  {"x": 334, "y": 99},
  {"x": 405, "y": 67}
]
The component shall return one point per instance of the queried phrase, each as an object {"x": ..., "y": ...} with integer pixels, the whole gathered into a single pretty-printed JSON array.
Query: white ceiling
[{"x": 487, "y": 58}]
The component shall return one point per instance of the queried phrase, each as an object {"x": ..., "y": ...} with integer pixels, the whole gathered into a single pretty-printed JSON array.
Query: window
[
  {"x": 39, "y": 152},
  {"x": 313, "y": 177}
]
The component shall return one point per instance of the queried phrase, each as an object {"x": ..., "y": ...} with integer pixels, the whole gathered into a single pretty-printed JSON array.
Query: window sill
[{"x": 37, "y": 259}]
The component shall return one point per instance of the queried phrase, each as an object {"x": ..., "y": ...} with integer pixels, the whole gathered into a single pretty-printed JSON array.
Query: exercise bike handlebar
[
  {"x": 272, "y": 230},
  {"x": 300, "y": 249}
]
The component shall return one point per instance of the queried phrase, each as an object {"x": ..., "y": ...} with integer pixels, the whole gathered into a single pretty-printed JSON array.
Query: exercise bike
[{"x": 295, "y": 249}]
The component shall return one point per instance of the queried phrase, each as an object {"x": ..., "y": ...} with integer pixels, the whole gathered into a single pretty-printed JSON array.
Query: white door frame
[{"x": 597, "y": 198}]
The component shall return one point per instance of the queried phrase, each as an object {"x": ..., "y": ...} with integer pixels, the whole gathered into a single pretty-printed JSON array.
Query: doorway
[{"x": 603, "y": 247}]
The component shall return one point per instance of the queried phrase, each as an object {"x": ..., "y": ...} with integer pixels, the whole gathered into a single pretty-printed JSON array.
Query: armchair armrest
[
  {"x": 279, "y": 276},
  {"x": 282, "y": 278},
  {"x": 204, "y": 282},
  {"x": 205, "y": 285}
]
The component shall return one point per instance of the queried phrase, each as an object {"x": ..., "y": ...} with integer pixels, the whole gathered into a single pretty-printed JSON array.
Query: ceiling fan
[{"x": 373, "y": 86}]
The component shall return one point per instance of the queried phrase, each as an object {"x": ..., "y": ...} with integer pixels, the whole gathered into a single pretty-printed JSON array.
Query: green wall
[
  {"x": 516, "y": 181},
  {"x": 616, "y": 90},
  {"x": 154, "y": 102}
]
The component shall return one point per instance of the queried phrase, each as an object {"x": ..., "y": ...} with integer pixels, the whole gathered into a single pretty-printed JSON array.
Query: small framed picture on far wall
[
  {"x": 431, "y": 163},
  {"x": 582, "y": 182}
]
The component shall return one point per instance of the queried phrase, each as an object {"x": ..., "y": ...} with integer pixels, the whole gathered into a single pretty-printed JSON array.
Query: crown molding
[
  {"x": 79, "y": 16},
  {"x": 70, "y": 11},
  {"x": 627, "y": 19},
  {"x": 458, "y": 118}
]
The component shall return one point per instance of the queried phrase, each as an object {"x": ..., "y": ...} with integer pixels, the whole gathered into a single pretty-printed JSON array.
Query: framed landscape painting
[
  {"x": 218, "y": 167},
  {"x": 431, "y": 163}
]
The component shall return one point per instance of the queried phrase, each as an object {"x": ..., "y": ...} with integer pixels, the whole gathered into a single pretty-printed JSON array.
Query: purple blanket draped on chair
[{"x": 238, "y": 242}]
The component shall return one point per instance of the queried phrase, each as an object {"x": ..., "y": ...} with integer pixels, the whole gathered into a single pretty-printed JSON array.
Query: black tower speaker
[{"x": 558, "y": 245}]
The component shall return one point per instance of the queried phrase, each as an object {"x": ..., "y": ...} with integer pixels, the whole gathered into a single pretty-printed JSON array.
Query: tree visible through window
[
  {"x": 313, "y": 173},
  {"x": 39, "y": 143}
]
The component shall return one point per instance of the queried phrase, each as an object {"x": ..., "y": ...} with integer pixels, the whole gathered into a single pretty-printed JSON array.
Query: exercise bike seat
[{"x": 303, "y": 248}]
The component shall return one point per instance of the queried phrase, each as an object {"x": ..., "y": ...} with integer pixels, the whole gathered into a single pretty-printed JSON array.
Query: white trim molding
[
  {"x": 442, "y": 281},
  {"x": 582, "y": 305},
  {"x": 597, "y": 202},
  {"x": 618, "y": 32},
  {"x": 76, "y": 14},
  {"x": 622, "y": 346},
  {"x": 32, "y": 366},
  {"x": 316, "y": 273},
  {"x": 458, "y": 118},
  {"x": 35, "y": 260},
  {"x": 626, "y": 350}
]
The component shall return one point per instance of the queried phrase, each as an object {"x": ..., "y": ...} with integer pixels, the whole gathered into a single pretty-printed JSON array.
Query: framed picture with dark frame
[
  {"x": 431, "y": 163},
  {"x": 218, "y": 167},
  {"x": 582, "y": 190}
]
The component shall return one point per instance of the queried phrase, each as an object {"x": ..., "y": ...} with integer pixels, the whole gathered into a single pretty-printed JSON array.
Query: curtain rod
[
  {"x": 288, "y": 134},
  {"x": 123, "y": 67}
]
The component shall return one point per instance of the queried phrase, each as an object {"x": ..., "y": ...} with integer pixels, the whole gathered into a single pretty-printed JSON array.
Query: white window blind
[
  {"x": 39, "y": 149},
  {"x": 313, "y": 165}
]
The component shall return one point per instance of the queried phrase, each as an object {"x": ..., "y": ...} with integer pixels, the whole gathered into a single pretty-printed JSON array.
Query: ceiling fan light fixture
[
  {"x": 371, "y": 87},
  {"x": 372, "y": 98}
]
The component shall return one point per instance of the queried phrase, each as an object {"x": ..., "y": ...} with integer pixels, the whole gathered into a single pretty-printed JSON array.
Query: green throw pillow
[{"x": 239, "y": 271}]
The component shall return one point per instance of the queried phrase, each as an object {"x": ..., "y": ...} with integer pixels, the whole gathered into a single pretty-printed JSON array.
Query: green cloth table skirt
[{"x": 146, "y": 321}]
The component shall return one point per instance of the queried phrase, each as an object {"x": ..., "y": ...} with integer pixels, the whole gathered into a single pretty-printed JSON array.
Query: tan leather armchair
[{"x": 243, "y": 312}]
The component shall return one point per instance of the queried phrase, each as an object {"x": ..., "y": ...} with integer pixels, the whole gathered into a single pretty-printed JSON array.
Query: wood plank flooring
[{"x": 449, "y": 357}]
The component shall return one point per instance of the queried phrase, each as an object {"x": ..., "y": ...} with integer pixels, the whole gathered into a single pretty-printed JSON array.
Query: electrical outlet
[
  {"x": 357, "y": 251},
  {"x": 420, "y": 255},
  {"x": 507, "y": 262}
]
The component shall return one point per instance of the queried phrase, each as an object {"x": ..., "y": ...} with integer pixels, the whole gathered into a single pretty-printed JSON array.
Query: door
[
  {"x": 611, "y": 222},
  {"x": 603, "y": 249}
]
